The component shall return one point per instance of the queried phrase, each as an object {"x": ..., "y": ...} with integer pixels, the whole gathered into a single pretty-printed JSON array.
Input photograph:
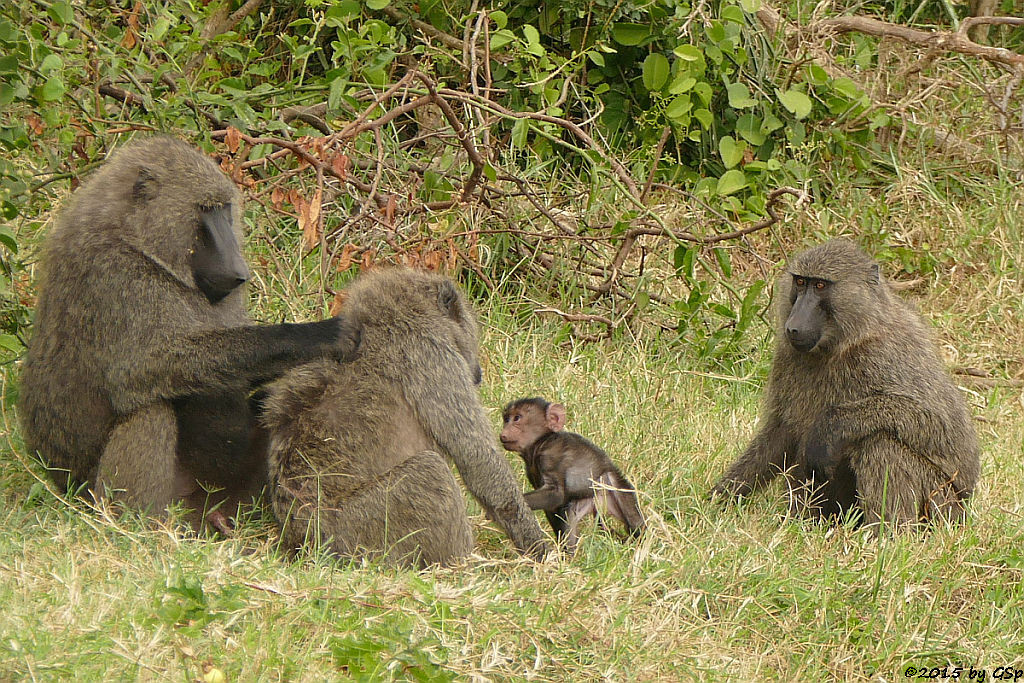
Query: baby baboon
[
  {"x": 356, "y": 449},
  {"x": 137, "y": 379},
  {"x": 571, "y": 476},
  {"x": 859, "y": 411}
]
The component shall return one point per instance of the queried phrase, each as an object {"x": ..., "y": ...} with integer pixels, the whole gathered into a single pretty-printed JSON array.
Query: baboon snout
[{"x": 802, "y": 339}]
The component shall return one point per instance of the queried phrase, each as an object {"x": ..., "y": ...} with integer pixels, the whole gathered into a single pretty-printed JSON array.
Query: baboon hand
[
  {"x": 728, "y": 488},
  {"x": 350, "y": 335}
]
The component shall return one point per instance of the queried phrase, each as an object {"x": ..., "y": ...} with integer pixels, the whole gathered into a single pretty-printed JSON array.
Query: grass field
[{"x": 711, "y": 592}]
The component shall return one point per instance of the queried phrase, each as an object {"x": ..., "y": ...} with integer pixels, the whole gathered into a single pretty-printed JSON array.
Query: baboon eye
[
  {"x": 819, "y": 285},
  {"x": 800, "y": 282}
]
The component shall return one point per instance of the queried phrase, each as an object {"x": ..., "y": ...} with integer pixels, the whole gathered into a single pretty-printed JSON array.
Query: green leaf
[
  {"x": 11, "y": 343},
  {"x": 683, "y": 83},
  {"x": 596, "y": 57},
  {"x": 519, "y": 130},
  {"x": 500, "y": 39},
  {"x": 739, "y": 96},
  {"x": 705, "y": 117},
  {"x": 630, "y": 34},
  {"x": 847, "y": 87},
  {"x": 8, "y": 239},
  {"x": 748, "y": 127},
  {"x": 731, "y": 151},
  {"x": 500, "y": 18},
  {"x": 732, "y": 13},
  {"x": 531, "y": 34},
  {"x": 8, "y": 64},
  {"x": 655, "y": 71},
  {"x": 377, "y": 4},
  {"x": 688, "y": 53},
  {"x": 61, "y": 12},
  {"x": 750, "y": 6},
  {"x": 722, "y": 256},
  {"x": 730, "y": 182},
  {"x": 816, "y": 75},
  {"x": 52, "y": 90},
  {"x": 704, "y": 91},
  {"x": 678, "y": 107},
  {"x": 796, "y": 102}
]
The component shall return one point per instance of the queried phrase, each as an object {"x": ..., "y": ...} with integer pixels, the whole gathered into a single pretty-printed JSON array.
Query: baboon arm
[
  {"x": 449, "y": 409},
  {"x": 549, "y": 497},
  {"x": 222, "y": 359},
  {"x": 767, "y": 455}
]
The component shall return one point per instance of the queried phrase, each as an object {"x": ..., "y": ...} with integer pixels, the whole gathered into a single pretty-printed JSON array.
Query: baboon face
[
  {"x": 184, "y": 213},
  {"x": 811, "y": 303},
  {"x": 528, "y": 419},
  {"x": 216, "y": 256},
  {"x": 825, "y": 298}
]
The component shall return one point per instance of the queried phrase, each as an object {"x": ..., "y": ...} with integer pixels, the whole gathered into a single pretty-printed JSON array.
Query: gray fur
[
  {"x": 872, "y": 399},
  {"x": 356, "y": 449},
  {"x": 135, "y": 385}
]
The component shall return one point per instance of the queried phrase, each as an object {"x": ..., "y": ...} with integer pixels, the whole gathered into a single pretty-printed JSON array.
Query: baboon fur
[
  {"x": 868, "y": 419},
  {"x": 356, "y": 449},
  {"x": 137, "y": 378}
]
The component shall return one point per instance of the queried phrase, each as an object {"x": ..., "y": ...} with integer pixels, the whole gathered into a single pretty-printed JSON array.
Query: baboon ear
[
  {"x": 448, "y": 299},
  {"x": 874, "y": 277},
  {"x": 145, "y": 185},
  {"x": 555, "y": 417}
]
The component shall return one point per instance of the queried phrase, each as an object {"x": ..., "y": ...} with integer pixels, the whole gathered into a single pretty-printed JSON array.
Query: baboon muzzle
[{"x": 217, "y": 262}]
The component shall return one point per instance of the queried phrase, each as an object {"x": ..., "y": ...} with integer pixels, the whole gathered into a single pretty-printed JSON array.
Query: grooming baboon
[
  {"x": 572, "y": 478},
  {"x": 356, "y": 449},
  {"x": 859, "y": 411},
  {"x": 137, "y": 379}
]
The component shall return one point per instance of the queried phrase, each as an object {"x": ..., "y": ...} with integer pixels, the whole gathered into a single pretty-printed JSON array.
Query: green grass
[{"x": 739, "y": 592}]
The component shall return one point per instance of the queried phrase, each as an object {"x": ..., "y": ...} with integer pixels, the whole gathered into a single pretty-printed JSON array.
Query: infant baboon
[
  {"x": 571, "y": 476},
  {"x": 137, "y": 379},
  {"x": 859, "y": 412},
  {"x": 356, "y": 448}
]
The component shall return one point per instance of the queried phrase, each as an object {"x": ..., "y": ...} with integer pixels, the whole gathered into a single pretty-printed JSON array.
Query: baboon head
[
  {"x": 831, "y": 296},
  {"x": 173, "y": 204},
  {"x": 528, "y": 419},
  {"x": 402, "y": 304}
]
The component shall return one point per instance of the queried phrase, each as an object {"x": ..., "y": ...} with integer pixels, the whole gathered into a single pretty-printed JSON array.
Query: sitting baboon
[
  {"x": 859, "y": 412},
  {"x": 138, "y": 376},
  {"x": 572, "y": 478},
  {"x": 356, "y": 449}
]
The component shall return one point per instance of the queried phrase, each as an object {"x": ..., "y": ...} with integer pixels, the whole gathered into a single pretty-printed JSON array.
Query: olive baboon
[
  {"x": 859, "y": 411},
  {"x": 137, "y": 379},
  {"x": 356, "y": 449},
  {"x": 572, "y": 478}
]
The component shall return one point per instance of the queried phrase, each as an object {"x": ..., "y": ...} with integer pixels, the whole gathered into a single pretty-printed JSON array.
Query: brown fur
[
  {"x": 136, "y": 383},
  {"x": 870, "y": 406},
  {"x": 356, "y": 449},
  {"x": 572, "y": 478}
]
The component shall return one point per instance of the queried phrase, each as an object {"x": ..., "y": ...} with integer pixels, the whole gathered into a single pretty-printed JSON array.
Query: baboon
[
  {"x": 859, "y": 412},
  {"x": 572, "y": 478},
  {"x": 356, "y": 449},
  {"x": 137, "y": 380}
]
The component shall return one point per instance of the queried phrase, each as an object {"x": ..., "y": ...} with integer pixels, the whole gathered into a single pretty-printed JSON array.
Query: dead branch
[{"x": 950, "y": 41}]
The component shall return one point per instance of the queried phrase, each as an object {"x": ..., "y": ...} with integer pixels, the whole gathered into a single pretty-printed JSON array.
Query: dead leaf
[
  {"x": 309, "y": 220},
  {"x": 340, "y": 165},
  {"x": 368, "y": 256},
  {"x": 232, "y": 139},
  {"x": 276, "y": 197},
  {"x": 345, "y": 260},
  {"x": 35, "y": 123},
  {"x": 338, "y": 302}
]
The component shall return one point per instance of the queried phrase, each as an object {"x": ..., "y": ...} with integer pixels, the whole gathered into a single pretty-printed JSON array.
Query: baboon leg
[
  {"x": 413, "y": 515},
  {"x": 557, "y": 520},
  {"x": 616, "y": 497},
  {"x": 890, "y": 488},
  {"x": 575, "y": 512},
  {"x": 139, "y": 462}
]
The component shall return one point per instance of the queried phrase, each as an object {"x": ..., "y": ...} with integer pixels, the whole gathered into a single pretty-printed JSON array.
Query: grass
[{"x": 739, "y": 592}]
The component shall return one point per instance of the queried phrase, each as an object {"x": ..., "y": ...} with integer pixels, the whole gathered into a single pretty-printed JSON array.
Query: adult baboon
[
  {"x": 137, "y": 379},
  {"x": 356, "y": 449},
  {"x": 572, "y": 478},
  {"x": 859, "y": 411}
]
